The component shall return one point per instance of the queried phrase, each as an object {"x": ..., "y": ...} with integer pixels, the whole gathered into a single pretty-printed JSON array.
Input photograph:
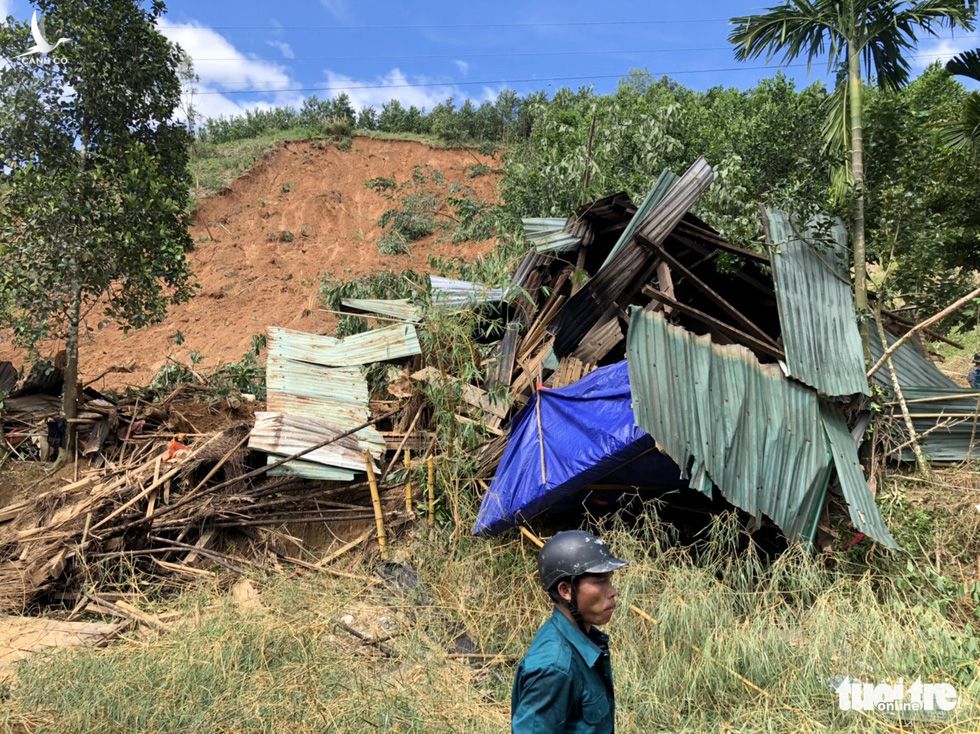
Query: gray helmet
[{"x": 572, "y": 553}]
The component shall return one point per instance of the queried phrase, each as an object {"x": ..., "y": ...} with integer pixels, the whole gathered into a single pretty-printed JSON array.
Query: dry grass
[{"x": 727, "y": 627}]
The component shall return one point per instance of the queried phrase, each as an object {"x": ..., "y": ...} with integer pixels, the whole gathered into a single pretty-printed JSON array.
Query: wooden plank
[
  {"x": 712, "y": 322},
  {"x": 719, "y": 301},
  {"x": 601, "y": 339}
]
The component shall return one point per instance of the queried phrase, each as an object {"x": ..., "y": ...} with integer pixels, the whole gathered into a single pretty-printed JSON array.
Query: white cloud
[
  {"x": 941, "y": 51},
  {"x": 222, "y": 68},
  {"x": 464, "y": 67},
  {"x": 284, "y": 48},
  {"x": 338, "y": 9},
  {"x": 393, "y": 85},
  {"x": 6, "y": 8}
]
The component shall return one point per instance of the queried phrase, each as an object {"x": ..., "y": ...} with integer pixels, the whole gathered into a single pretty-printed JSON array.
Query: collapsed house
[
  {"x": 740, "y": 379},
  {"x": 638, "y": 349}
]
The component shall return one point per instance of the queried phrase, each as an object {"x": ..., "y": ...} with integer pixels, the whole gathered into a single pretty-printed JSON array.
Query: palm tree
[
  {"x": 965, "y": 132},
  {"x": 861, "y": 36}
]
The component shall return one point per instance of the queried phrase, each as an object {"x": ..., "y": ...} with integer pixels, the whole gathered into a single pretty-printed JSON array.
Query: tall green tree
[
  {"x": 870, "y": 40},
  {"x": 93, "y": 179},
  {"x": 965, "y": 131}
]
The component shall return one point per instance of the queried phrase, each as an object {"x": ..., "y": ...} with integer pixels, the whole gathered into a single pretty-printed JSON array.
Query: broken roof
[
  {"x": 766, "y": 442},
  {"x": 816, "y": 306}
]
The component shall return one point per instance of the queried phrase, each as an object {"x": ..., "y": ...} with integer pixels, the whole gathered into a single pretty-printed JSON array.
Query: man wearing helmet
[{"x": 564, "y": 683}]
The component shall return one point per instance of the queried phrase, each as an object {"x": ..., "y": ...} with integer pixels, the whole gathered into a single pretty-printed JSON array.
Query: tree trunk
[
  {"x": 857, "y": 171},
  {"x": 69, "y": 400}
]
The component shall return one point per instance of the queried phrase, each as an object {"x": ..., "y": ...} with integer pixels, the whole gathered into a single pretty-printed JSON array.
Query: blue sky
[{"x": 258, "y": 54}]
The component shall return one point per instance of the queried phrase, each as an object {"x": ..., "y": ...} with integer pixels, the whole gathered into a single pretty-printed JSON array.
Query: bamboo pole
[
  {"x": 376, "y": 501},
  {"x": 920, "y": 458},
  {"x": 888, "y": 351},
  {"x": 431, "y": 519},
  {"x": 408, "y": 483}
]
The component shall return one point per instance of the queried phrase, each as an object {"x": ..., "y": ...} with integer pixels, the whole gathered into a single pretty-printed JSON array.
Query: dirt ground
[{"x": 247, "y": 282}]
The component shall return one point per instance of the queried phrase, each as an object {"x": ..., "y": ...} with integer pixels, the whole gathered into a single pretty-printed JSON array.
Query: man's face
[{"x": 596, "y": 597}]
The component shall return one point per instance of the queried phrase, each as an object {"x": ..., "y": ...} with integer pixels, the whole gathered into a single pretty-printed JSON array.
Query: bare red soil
[{"x": 247, "y": 282}]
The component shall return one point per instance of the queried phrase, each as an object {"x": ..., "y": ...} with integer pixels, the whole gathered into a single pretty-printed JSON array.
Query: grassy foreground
[{"x": 727, "y": 626}]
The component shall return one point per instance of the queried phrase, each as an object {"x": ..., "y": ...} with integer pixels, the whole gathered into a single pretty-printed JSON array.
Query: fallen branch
[{"x": 920, "y": 326}]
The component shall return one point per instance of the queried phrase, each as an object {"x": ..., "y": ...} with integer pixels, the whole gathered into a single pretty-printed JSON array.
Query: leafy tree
[
  {"x": 869, "y": 37},
  {"x": 964, "y": 132},
  {"x": 923, "y": 221},
  {"x": 367, "y": 119},
  {"x": 95, "y": 184}
]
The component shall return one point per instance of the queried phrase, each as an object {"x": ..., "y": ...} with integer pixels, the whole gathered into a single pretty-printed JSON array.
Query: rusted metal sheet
[
  {"x": 378, "y": 345},
  {"x": 816, "y": 306},
  {"x": 663, "y": 184},
  {"x": 632, "y": 266},
  {"x": 764, "y": 441},
  {"x": 400, "y": 308}
]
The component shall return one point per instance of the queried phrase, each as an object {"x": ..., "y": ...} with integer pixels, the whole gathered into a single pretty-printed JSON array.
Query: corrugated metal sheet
[
  {"x": 632, "y": 266},
  {"x": 400, "y": 308},
  {"x": 924, "y": 385},
  {"x": 307, "y": 469},
  {"x": 301, "y": 382},
  {"x": 914, "y": 369},
  {"x": 284, "y": 435},
  {"x": 377, "y": 345},
  {"x": 816, "y": 308},
  {"x": 860, "y": 503},
  {"x": 957, "y": 409},
  {"x": 548, "y": 234},
  {"x": 738, "y": 424},
  {"x": 663, "y": 184},
  {"x": 451, "y": 293}
]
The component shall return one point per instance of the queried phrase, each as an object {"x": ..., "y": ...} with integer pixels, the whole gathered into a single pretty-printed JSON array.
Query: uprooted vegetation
[{"x": 426, "y": 204}]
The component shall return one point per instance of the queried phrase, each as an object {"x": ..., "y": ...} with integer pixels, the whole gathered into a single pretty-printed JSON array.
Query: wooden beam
[
  {"x": 724, "y": 305},
  {"x": 710, "y": 321}
]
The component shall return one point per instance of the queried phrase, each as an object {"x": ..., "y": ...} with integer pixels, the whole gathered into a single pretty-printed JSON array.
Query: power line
[
  {"x": 483, "y": 55},
  {"x": 491, "y": 82},
  {"x": 505, "y": 54},
  {"x": 426, "y": 26}
]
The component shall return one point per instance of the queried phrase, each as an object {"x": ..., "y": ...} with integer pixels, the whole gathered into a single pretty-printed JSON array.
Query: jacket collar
[{"x": 586, "y": 648}]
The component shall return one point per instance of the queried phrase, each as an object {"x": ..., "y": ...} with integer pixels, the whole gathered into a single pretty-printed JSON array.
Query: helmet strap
[{"x": 570, "y": 604}]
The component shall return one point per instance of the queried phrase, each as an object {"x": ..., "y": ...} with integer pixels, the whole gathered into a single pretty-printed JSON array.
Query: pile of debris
[{"x": 725, "y": 357}]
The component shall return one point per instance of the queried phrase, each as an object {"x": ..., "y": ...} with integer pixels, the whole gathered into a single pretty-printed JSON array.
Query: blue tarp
[{"x": 588, "y": 434}]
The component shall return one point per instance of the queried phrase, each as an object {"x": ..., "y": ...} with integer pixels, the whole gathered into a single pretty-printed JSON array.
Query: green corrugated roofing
[
  {"x": 860, "y": 502},
  {"x": 377, "y": 345},
  {"x": 816, "y": 307},
  {"x": 399, "y": 308},
  {"x": 547, "y": 234},
  {"x": 921, "y": 380},
  {"x": 956, "y": 408},
  {"x": 760, "y": 438},
  {"x": 300, "y": 381},
  {"x": 913, "y": 368},
  {"x": 663, "y": 185}
]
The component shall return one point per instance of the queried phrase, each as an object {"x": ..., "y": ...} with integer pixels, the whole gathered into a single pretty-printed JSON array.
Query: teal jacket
[{"x": 564, "y": 683}]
